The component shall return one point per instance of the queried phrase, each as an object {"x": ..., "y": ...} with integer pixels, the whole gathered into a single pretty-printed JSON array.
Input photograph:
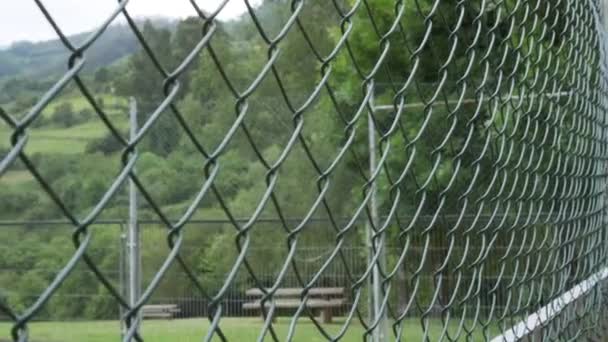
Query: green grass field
[
  {"x": 236, "y": 329},
  {"x": 17, "y": 177},
  {"x": 54, "y": 140},
  {"x": 58, "y": 140}
]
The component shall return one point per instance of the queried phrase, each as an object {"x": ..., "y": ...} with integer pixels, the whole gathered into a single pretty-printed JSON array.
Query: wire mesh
[{"x": 485, "y": 200}]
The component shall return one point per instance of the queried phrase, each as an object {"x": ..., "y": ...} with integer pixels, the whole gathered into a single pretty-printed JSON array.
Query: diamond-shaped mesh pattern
[{"x": 484, "y": 189}]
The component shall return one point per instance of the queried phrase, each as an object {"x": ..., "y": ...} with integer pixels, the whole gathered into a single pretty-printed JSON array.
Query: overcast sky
[{"x": 22, "y": 20}]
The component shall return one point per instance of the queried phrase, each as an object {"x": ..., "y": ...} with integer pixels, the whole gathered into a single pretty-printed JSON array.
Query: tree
[
  {"x": 102, "y": 75},
  {"x": 408, "y": 52},
  {"x": 145, "y": 82},
  {"x": 107, "y": 144},
  {"x": 64, "y": 115}
]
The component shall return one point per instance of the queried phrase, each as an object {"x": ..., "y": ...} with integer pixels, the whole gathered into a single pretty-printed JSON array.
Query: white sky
[{"x": 22, "y": 20}]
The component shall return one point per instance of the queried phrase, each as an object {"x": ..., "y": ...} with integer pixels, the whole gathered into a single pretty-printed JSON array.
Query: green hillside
[{"x": 50, "y": 57}]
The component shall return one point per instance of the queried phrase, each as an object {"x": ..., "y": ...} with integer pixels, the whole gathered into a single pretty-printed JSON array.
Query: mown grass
[{"x": 236, "y": 329}]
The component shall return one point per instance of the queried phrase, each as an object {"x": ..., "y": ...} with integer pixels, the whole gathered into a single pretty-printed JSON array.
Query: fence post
[
  {"x": 380, "y": 333},
  {"x": 122, "y": 261},
  {"x": 133, "y": 235}
]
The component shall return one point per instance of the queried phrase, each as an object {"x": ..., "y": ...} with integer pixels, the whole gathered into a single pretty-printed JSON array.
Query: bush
[
  {"x": 102, "y": 75},
  {"x": 40, "y": 121},
  {"x": 85, "y": 115},
  {"x": 108, "y": 144},
  {"x": 14, "y": 200},
  {"x": 25, "y": 102},
  {"x": 101, "y": 103},
  {"x": 64, "y": 115}
]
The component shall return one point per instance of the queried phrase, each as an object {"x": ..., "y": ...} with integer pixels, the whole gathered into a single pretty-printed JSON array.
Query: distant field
[
  {"x": 77, "y": 101},
  {"x": 57, "y": 140},
  {"x": 80, "y": 102},
  {"x": 52, "y": 139},
  {"x": 16, "y": 177},
  {"x": 236, "y": 329}
]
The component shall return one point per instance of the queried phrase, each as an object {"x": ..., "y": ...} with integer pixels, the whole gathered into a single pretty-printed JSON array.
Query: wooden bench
[
  {"x": 320, "y": 299},
  {"x": 160, "y": 311}
]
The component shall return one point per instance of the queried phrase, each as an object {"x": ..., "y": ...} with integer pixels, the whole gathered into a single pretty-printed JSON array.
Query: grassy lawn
[{"x": 236, "y": 329}]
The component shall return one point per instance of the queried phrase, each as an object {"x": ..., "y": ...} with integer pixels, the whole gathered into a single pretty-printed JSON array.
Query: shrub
[
  {"x": 108, "y": 144},
  {"x": 64, "y": 115}
]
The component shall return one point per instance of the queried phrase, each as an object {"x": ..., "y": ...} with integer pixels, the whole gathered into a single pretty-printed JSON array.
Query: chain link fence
[{"x": 442, "y": 161}]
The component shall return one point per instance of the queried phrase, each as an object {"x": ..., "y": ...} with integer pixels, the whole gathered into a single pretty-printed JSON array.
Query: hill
[
  {"x": 42, "y": 59},
  {"x": 46, "y": 58}
]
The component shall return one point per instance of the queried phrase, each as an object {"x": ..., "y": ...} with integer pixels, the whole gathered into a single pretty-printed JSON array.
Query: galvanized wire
[{"x": 516, "y": 113}]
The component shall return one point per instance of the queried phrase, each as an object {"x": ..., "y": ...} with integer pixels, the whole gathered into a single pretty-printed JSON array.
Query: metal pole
[
  {"x": 381, "y": 331},
  {"x": 122, "y": 261},
  {"x": 133, "y": 238},
  {"x": 368, "y": 236}
]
